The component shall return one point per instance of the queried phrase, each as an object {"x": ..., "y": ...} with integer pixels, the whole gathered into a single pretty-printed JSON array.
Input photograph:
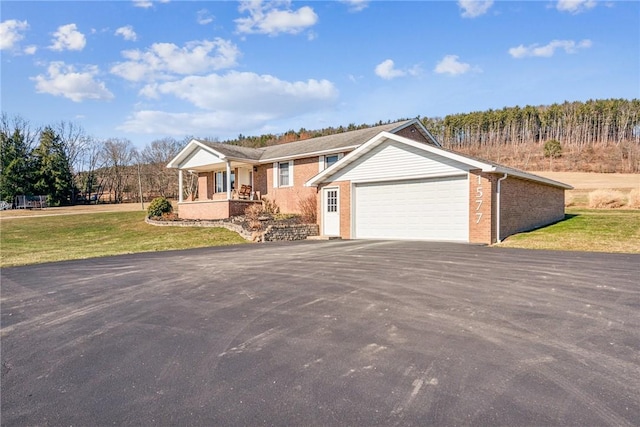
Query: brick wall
[
  {"x": 204, "y": 210},
  {"x": 481, "y": 207},
  {"x": 412, "y": 132},
  {"x": 287, "y": 198},
  {"x": 526, "y": 205}
]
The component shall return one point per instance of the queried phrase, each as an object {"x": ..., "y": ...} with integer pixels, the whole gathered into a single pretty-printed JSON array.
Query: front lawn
[
  {"x": 57, "y": 238},
  {"x": 597, "y": 230}
]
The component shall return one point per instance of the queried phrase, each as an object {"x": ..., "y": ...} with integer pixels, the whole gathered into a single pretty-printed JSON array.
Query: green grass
[
  {"x": 42, "y": 239},
  {"x": 596, "y": 230}
]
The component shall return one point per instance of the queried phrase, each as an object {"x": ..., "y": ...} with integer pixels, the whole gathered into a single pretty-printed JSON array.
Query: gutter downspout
[{"x": 498, "y": 240}]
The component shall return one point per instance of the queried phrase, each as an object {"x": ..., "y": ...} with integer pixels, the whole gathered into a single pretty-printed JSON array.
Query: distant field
[
  {"x": 584, "y": 183},
  {"x": 595, "y": 181}
]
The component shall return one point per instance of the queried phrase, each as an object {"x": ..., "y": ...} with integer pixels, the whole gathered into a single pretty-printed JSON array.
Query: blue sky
[{"x": 144, "y": 70}]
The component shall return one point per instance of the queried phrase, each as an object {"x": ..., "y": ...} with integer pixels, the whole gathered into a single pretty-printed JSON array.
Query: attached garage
[
  {"x": 422, "y": 209},
  {"x": 393, "y": 187}
]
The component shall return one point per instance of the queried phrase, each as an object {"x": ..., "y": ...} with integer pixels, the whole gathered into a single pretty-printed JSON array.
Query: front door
[{"x": 330, "y": 211}]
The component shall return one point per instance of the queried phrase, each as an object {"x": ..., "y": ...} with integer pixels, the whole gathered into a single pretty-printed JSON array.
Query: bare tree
[
  {"x": 117, "y": 155},
  {"x": 159, "y": 180}
]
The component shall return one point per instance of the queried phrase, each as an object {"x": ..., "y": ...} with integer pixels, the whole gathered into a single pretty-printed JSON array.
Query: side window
[
  {"x": 283, "y": 174},
  {"x": 330, "y": 160}
]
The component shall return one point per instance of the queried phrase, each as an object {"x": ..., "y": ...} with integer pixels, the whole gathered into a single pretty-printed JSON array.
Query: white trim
[
  {"x": 324, "y": 210},
  {"x": 409, "y": 178},
  {"x": 228, "y": 180},
  {"x": 276, "y": 174},
  {"x": 320, "y": 163},
  {"x": 325, "y": 175},
  {"x": 180, "y": 187}
]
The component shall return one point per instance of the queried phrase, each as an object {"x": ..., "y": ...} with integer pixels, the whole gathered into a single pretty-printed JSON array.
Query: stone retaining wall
[
  {"x": 289, "y": 232},
  {"x": 274, "y": 232}
]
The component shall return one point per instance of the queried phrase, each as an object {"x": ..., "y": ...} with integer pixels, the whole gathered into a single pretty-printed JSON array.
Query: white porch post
[
  {"x": 228, "y": 180},
  {"x": 180, "y": 189}
]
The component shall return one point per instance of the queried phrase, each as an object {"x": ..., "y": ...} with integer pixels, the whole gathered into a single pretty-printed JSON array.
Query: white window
[
  {"x": 221, "y": 181},
  {"x": 332, "y": 201},
  {"x": 283, "y": 174},
  {"x": 328, "y": 160}
]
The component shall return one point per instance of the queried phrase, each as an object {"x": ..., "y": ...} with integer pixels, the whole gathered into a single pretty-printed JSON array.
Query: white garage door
[{"x": 429, "y": 209}]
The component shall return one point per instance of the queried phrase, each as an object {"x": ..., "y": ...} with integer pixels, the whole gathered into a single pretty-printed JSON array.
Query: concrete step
[{"x": 323, "y": 237}]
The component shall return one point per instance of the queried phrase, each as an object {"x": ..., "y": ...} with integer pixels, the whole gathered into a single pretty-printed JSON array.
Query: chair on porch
[{"x": 244, "y": 192}]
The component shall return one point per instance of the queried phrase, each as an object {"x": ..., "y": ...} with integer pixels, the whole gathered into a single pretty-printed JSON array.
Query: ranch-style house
[{"x": 393, "y": 181}]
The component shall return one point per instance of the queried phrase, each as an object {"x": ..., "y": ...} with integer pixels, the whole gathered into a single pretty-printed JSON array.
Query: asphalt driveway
[{"x": 324, "y": 333}]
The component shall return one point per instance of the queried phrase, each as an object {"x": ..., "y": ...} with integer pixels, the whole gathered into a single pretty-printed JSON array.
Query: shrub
[
  {"x": 606, "y": 199},
  {"x": 269, "y": 207},
  {"x": 158, "y": 207},
  {"x": 634, "y": 199},
  {"x": 309, "y": 209},
  {"x": 252, "y": 214},
  {"x": 552, "y": 148}
]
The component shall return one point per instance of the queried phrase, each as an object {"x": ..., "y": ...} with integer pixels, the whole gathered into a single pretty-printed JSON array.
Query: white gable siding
[
  {"x": 392, "y": 160},
  {"x": 200, "y": 158}
]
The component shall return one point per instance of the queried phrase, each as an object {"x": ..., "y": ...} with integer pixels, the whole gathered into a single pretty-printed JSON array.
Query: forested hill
[{"x": 593, "y": 136}]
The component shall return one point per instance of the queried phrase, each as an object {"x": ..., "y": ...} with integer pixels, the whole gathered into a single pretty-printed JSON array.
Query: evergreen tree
[
  {"x": 15, "y": 160},
  {"x": 52, "y": 169}
]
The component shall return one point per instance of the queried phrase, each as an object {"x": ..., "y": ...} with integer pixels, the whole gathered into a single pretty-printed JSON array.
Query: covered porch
[{"x": 225, "y": 183}]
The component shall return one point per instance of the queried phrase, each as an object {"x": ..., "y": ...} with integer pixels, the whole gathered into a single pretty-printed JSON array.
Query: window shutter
[
  {"x": 320, "y": 163},
  {"x": 275, "y": 175}
]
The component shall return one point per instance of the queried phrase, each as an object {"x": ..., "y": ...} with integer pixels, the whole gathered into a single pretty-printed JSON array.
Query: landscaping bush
[
  {"x": 634, "y": 199},
  {"x": 159, "y": 207},
  {"x": 309, "y": 209},
  {"x": 269, "y": 207},
  {"x": 606, "y": 199}
]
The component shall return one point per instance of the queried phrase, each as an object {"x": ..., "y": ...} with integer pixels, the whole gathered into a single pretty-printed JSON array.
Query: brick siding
[
  {"x": 526, "y": 205},
  {"x": 481, "y": 207}
]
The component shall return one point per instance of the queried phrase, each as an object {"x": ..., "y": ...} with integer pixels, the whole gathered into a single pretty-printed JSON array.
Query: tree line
[
  {"x": 69, "y": 166},
  {"x": 592, "y": 136}
]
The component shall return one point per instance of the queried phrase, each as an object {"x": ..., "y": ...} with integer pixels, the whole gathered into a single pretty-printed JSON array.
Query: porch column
[
  {"x": 180, "y": 189},
  {"x": 228, "y": 180}
]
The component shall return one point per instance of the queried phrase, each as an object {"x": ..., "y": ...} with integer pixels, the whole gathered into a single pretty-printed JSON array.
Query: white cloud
[
  {"x": 266, "y": 18},
  {"x": 163, "y": 60},
  {"x": 387, "y": 70},
  {"x": 569, "y": 46},
  {"x": 451, "y": 65},
  {"x": 356, "y": 5},
  {"x": 575, "y": 6},
  {"x": 474, "y": 8},
  {"x": 30, "y": 50},
  {"x": 244, "y": 91},
  {"x": 64, "y": 80},
  {"x": 146, "y": 4},
  {"x": 68, "y": 38},
  {"x": 127, "y": 33},
  {"x": 11, "y": 33},
  {"x": 204, "y": 17},
  {"x": 225, "y": 100}
]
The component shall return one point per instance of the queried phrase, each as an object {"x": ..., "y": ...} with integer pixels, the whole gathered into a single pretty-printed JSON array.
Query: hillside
[{"x": 592, "y": 136}]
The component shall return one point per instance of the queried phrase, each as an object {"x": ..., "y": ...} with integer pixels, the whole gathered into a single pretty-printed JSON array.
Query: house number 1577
[{"x": 479, "y": 199}]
